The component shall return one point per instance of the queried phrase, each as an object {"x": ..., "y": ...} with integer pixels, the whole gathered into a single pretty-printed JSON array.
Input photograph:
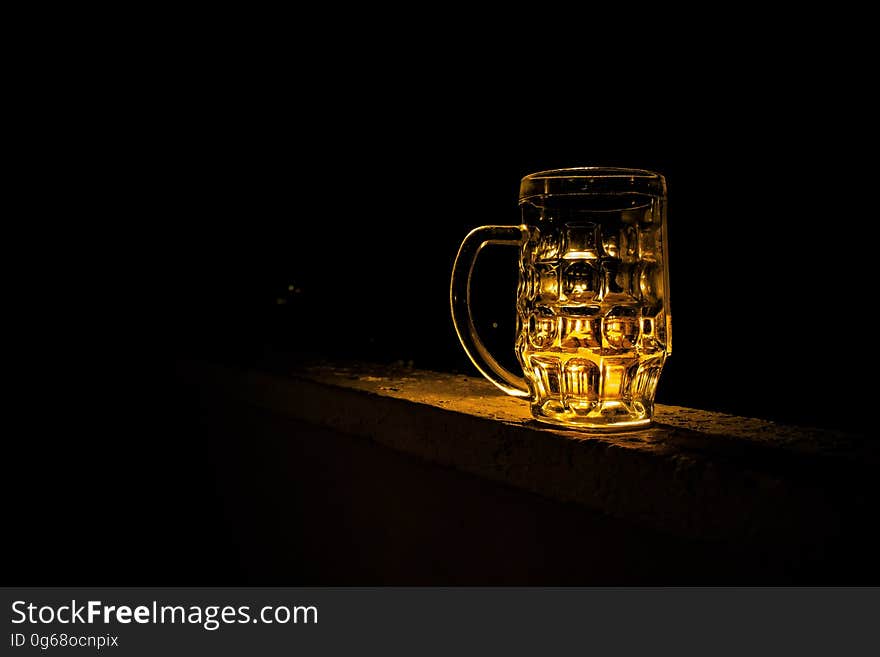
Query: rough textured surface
[{"x": 695, "y": 474}]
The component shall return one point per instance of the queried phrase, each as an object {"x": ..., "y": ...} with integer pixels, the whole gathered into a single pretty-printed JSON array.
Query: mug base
[{"x": 602, "y": 416}]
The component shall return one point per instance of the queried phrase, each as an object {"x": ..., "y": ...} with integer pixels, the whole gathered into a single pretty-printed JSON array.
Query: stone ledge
[{"x": 694, "y": 473}]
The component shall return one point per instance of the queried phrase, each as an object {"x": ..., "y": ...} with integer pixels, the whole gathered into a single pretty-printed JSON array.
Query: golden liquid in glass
[{"x": 592, "y": 331}]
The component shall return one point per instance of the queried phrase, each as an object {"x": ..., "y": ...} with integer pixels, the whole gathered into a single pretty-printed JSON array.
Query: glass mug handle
[{"x": 460, "y": 298}]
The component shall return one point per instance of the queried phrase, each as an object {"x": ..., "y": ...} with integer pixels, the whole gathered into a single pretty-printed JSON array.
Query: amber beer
[{"x": 593, "y": 321}]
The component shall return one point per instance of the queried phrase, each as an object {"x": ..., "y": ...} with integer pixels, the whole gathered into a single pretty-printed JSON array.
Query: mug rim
[
  {"x": 591, "y": 180},
  {"x": 594, "y": 172}
]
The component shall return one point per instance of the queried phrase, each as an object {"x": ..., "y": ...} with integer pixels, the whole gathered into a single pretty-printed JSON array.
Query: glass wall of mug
[{"x": 593, "y": 320}]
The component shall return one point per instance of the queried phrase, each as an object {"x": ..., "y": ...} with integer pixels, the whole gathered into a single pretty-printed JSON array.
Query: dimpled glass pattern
[{"x": 593, "y": 326}]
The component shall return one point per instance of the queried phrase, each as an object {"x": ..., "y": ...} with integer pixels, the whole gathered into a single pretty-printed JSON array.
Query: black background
[{"x": 194, "y": 201}]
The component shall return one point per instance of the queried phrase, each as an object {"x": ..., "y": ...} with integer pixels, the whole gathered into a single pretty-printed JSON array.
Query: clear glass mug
[{"x": 593, "y": 319}]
